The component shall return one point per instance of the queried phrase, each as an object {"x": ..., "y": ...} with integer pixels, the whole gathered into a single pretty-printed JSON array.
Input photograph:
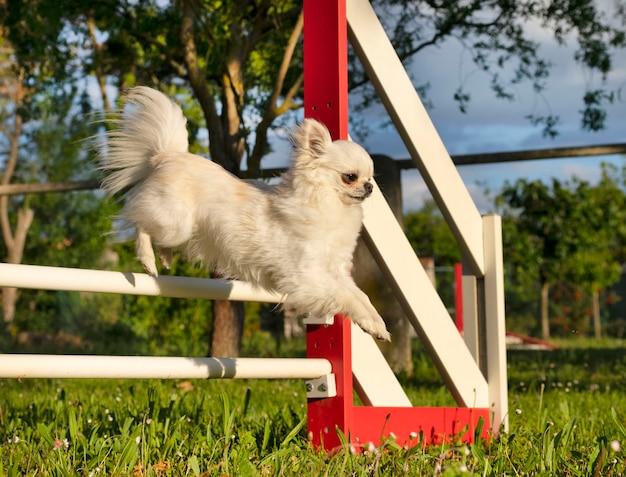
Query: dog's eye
[{"x": 349, "y": 178}]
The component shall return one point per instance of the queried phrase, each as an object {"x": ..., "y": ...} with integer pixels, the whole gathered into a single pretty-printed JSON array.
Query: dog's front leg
[{"x": 366, "y": 315}]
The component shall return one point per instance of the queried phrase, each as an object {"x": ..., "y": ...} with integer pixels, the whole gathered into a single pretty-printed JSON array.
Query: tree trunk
[
  {"x": 15, "y": 252},
  {"x": 228, "y": 320},
  {"x": 14, "y": 241},
  {"x": 226, "y": 149},
  {"x": 595, "y": 305},
  {"x": 545, "y": 321},
  {"x": 227, "y": 136},
  {"x": 372, "y": 281}
]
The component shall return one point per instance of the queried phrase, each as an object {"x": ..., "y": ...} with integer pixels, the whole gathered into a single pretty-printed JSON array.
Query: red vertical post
[
  {"x": 326, "y": 64},
  {"x": 458, "y": 296},
  {"x": 326, "y": 99},
  {"x": 327, "y": 415}
]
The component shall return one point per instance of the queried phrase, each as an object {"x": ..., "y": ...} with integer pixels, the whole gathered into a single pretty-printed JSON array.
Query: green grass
[{"x": 567, "y": 414}]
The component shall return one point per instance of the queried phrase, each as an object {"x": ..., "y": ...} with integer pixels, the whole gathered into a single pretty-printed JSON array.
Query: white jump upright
[{"x": 473, "y": 382}]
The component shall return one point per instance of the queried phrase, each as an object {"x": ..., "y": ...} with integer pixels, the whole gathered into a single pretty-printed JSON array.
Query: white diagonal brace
[
  {"x": 393, "y": 85},
  {"x": 421, "y": 303}
]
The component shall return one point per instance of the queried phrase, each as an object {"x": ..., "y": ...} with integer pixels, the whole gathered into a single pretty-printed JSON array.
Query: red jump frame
[
  {"x": 335, "y": 418},
  {"x": 326, "y": 99}
]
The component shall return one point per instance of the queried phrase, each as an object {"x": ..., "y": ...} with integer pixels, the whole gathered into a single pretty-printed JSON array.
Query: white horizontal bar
[
  {"x": 100, "y": 281},
  {"x": 22, "y": 366}
]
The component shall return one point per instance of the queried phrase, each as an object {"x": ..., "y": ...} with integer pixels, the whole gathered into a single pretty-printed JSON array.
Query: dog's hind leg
[
  {"x": 165, "y": 255},
  {"x": 145, "y": 252}
]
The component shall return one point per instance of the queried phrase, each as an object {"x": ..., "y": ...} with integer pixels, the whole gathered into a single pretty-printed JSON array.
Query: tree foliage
[{"x": 564, "y": 232}]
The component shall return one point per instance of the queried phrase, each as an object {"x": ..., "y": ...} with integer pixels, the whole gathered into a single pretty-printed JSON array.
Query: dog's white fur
[{"x": 296, "y": 238}]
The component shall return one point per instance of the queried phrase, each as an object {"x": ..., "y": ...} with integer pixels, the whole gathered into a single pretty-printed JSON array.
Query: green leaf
[{"x": 195, "y": 466}]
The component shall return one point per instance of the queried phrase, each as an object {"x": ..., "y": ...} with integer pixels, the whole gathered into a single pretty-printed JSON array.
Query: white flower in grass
[
  {"x": 518, "y": 411},
  {"x": 615, "y": 446},
  {"x": 413, "y": 435},
  {"x": 137, "y": 440}
]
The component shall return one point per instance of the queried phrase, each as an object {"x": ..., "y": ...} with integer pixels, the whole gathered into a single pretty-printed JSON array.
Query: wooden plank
[{"x": 495, "y": 329}]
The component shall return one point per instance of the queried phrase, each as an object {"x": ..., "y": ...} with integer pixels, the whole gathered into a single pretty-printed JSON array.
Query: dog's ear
[{"x": 311, "y": 136}]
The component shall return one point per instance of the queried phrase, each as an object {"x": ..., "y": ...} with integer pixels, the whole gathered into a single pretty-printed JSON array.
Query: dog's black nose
[{"x": 368, "y": 188}]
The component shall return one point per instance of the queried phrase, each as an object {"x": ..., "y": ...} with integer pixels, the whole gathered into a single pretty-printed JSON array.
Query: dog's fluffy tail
[{"x": 150, "y": 124}]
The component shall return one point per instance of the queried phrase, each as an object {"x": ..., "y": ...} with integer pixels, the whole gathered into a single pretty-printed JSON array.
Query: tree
[
  {"x": 42, "y": 125},
  {"x": 13, "y": 234},
  {"x": 565, "y": 232},
  {"x": 19, "y": 111}
]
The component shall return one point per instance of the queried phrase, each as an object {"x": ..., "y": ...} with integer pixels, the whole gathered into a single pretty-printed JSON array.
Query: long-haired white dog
[{"x": 296, "y": 238}]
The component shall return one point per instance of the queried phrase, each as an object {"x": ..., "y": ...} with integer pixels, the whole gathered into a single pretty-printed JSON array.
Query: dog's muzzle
[{"x": 367, "y": 191}]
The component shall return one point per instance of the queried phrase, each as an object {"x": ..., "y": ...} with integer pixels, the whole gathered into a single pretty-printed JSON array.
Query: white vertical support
[
  {"x": 393, "y": 85},
  {"x": 470, "y": 316},
  {"x": 374, "y": 380},
  {"x": 495, "y": 326}
]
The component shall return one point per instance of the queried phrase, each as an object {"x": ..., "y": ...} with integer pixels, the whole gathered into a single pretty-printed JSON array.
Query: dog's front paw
[
  {"x": 378, "y": 331},
  {"x": 373, "y": 325}
]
